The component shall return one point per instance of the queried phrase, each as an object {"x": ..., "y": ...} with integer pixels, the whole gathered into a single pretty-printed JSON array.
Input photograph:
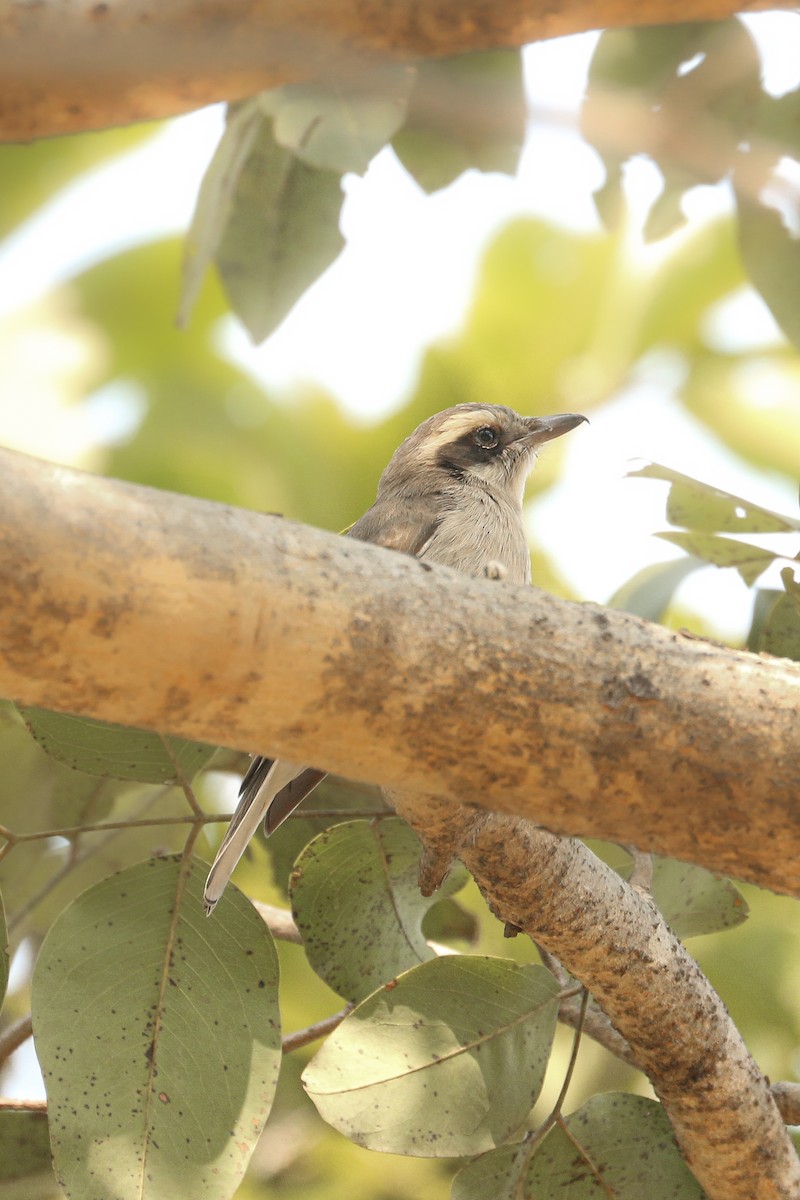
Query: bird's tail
[{"x": 257, "y": 793}]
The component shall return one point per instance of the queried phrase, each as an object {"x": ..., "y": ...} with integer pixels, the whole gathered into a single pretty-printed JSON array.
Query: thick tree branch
[
  {"x": 612, "y": 937},
  {"x": 192, "y": 618},
  {"x": 87, "y": 64}
]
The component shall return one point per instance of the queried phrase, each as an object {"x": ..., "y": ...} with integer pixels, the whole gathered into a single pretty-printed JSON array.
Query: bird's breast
[{"x": 480, "y": 530}]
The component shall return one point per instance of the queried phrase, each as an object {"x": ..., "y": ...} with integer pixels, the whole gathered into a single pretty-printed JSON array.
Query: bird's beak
[{"x": 544, "y": 429}]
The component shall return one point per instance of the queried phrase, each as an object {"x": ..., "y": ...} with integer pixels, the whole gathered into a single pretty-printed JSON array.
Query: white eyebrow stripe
[{"x": 456, "y": 426}]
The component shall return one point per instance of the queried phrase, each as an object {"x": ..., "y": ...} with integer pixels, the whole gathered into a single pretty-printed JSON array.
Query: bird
[{"x": 451, "y": 494}]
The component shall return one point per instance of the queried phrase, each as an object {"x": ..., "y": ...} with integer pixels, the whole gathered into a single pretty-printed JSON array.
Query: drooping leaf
[
  {"x": 282, "y": 233},
  {"x": 268, "y": 219},
  {"x": 421, "y": 1067},
  {"x": 158, "y": 1036},
  {"x": 215, "y": 200},
  {"x": 356, "y": 900},
  {"x": 749, "y": 561},
  {"x": 771, "y": 255},
  {"x": 467, "y": 111},
  {"x": 115, "y": 751},
  {"x": 341, "y": 127},
  {"x": 702, "y": 506},
  {"x": 618, "y": 1145}
]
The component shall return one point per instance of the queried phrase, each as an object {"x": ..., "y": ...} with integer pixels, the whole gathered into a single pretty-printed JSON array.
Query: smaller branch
[
  {"x": 787, "y": 1098},
  {"x": 312, "y": 1033},
  {"x": 641, "y": 875},
  {"x": 72, "y": 831},
  {"x": 23, "y": 1105},
  {"x": 12, "y": 1038}
]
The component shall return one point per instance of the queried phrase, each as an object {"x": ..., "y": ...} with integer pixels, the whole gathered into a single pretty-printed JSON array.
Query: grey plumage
[{"x": 452, "y": 493}]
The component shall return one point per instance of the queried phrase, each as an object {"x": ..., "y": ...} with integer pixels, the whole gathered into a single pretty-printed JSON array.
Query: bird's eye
[{"x": 486, "y": 437}]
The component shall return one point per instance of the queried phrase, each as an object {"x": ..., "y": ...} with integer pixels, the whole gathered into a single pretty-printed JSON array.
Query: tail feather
[{"x": 257, "y": 793}]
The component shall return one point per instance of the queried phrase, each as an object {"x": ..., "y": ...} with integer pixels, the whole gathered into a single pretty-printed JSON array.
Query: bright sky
[{"x": 361, "y": 329}]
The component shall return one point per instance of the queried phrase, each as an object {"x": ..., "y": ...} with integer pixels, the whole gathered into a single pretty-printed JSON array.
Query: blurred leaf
[
  {"x": 618, "y": 1145},
  {"x": 749, "y": 401},
  {"x": 270, "y": 221},
  {"x": 450, "y": 921},
  {"x": 215, "y": 199},
  {"x": 341, "y": 127},
  {"x": 467, "y": 111},
  {"x": 778, "y": 629},
  {"x": 648, "y": 593},
  {"x": 359, "y": 937},
  {"x": 115, "y": 751},
  {"x": 648, "y": 86},
  {"x": 771, "y": 255},
  {"x": 33, "y": 174},
  {"x": 421, "y": 1066},
  {"x": 694, "y": 901},
  {"x": 26, "y": 1171},
  {"x": 282, "y": 233},
  {"x": 4, "y": 960},
  {"x": 749, "y": 561},
  {"x": 168, "y": 1030},
  {"x": 703, "y": 507}
]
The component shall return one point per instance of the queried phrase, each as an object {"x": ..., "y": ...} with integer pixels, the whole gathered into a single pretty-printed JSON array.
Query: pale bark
[
  {"x": 191, "y": 618},
  {"x": 71, "y": 65},
  {"x": 175, "y": 614},
  {"x": 613, "y": 939}
]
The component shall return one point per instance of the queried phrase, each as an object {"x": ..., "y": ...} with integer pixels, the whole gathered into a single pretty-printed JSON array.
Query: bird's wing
[
  {"x": 265, "y": 780},
  {"x": 409, "y": 533}
]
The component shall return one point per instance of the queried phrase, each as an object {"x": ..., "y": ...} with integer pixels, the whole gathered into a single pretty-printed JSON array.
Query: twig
[
  {"x": 13, "y": 1037},
  {"x": 23, "y": 1105},
  {"x": 293, "y": 1041}
]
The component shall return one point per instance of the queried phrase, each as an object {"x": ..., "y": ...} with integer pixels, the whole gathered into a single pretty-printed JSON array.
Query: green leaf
[
  {"x": 357, "y": 937},
  {"x": 648, "y": 593},
  {"x": 467, "y": 111},
  {"x": 771, "y": 256},
  {"x": 215, "y": 200},
  {"x": 701, "y": 506},
  {"x": 158, "y": 1036},
  {"x": 115, "y": 751},
  {"x": 26, "y": 1171},
  {"x": 694, "y": 901},
  {"x": 341, "y": 128},
  {"x": 269, "y": 220},
  {"x": 282, "y": 233},
  {"x": 618, "y": 1145},
  {"x": 422, "y": 1066},
  {"x": 749, "y": 561}
]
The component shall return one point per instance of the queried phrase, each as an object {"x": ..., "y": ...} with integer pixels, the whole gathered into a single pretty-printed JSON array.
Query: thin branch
[
  {"x": 39, "y": 1106},
  {"x": 312, "y": 1033},
  {"x": 13, "y": 1037}
]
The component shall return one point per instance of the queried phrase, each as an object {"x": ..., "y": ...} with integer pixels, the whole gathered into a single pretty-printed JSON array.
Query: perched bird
[{"x": 451, "y": 494}]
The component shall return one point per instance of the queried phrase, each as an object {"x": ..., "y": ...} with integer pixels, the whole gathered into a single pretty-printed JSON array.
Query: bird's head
[{"x": 488, "y": 443}]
